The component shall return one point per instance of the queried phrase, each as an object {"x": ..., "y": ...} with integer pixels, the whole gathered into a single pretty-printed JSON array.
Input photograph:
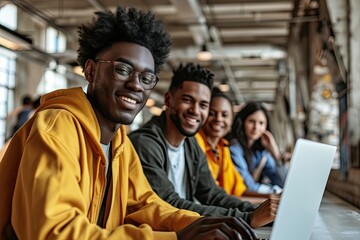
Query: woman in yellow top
[{"x": 216, "y": 147}]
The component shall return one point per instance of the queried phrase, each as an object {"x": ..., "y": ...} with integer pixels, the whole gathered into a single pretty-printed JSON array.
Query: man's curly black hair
[
  {"x": 126, "y": 25},
  {"x": 191, "y": 72}
]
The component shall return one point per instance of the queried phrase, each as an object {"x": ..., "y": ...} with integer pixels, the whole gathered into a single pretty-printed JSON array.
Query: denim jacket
[{"x": 269, "y": 170}]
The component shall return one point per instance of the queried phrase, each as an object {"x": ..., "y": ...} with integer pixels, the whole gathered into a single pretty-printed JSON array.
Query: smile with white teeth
[
  {"x": 192, "y": 120},
  {"x": 129, "y": 100}
]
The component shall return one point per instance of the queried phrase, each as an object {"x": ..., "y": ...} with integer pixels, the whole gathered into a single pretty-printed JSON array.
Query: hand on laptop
[
  {"x": 222, "y": 228},
  {"x": 266, "y": 212}
]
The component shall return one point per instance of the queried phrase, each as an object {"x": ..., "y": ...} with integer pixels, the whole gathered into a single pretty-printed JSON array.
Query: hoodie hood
[{"x": 73, "y": 100}]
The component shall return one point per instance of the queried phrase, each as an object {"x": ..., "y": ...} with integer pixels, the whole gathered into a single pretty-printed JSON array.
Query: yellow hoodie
[
  {"x": 52, "y": 179},
  {"x": 223, "y": 169}
]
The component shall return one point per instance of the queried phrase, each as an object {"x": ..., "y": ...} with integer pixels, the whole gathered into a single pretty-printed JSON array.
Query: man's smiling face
[
  {"x": 118, "y": 102},
  {"x": 189, "y": 107}
]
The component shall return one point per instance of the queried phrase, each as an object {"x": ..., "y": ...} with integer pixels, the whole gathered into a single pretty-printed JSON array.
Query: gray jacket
[{"x": 149, "y": 142}]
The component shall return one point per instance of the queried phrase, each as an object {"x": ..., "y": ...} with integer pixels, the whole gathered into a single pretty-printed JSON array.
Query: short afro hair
[
  {"x": 126, "y": 25},
  {"x": 191, "y": 72}
]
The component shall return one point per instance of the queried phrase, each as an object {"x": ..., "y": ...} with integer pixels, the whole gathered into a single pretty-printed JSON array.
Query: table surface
[{"x": 336, "y": 220}]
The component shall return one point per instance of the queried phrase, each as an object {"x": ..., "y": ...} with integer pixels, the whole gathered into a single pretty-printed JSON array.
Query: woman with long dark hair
[{"x": 254, "y": 150}]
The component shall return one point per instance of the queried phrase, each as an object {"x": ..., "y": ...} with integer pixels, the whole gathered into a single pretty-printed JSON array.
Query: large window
[
  {"x": 55, "y": 41},
  {"x": 7, "y": 85},
  {"x": 54, "y": 78},
  {"x": 8, "y": 16}
]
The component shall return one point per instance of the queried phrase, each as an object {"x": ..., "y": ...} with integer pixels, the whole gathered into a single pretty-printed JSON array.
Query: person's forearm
[
  {"x": 275, "y": 152},
  {"x": 257, "y": 171}
]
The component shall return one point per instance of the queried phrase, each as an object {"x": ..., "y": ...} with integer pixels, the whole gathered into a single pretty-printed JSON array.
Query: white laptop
[{"x": 303, "y": 190}]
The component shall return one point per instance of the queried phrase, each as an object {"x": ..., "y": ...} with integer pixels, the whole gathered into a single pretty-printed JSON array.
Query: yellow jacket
[
  {"x": 52, "y": 180},
  {"x": 222, "y": 169}
]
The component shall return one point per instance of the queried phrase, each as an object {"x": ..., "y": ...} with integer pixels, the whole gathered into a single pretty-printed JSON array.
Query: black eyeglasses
[{"x": 124, "y": 72}]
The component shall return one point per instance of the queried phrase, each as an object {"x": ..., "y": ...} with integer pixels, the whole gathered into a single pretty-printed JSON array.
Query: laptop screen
[{"x": 303, "y": 190}]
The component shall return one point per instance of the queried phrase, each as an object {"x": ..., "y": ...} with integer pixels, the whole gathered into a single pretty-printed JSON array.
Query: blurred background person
[
  {"x": 35, "y": 105},
  {"x": 215, "y": 146},
  {"x": 21, "y": 113},
  {"x": 254, "y": 150},
  {"x": 211, "y": 139}
]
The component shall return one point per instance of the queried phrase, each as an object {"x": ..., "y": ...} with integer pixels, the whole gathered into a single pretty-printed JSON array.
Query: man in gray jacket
[{"x": 174, "y": 164}]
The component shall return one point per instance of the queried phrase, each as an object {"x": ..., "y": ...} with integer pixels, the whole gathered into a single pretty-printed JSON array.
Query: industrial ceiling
[{"x": 248, "y": 39}]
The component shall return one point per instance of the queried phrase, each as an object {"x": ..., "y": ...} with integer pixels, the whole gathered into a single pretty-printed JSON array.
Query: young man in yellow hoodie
[{"x": 71, "y": 172}]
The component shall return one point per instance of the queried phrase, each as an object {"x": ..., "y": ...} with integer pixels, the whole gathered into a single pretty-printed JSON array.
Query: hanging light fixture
[
  {"x": 224, "y": 86},
  {"x": 204, "y": 54}
]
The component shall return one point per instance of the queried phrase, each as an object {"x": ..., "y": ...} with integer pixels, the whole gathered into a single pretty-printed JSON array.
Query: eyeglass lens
[{"x": 124, "y": 71}]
